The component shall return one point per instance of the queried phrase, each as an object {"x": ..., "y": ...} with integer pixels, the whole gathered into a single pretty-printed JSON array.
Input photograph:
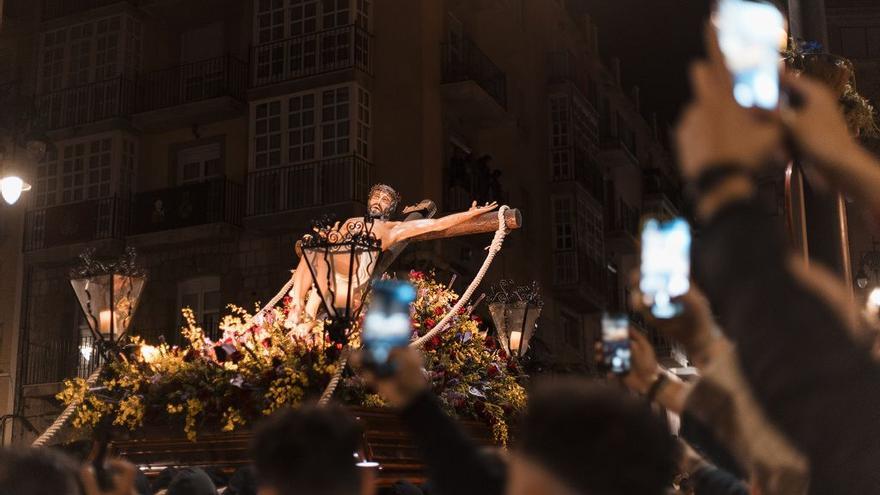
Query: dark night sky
[{"x": 655, "y": 40}]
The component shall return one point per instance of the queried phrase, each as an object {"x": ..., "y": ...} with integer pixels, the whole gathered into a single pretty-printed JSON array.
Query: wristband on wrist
[
  {"x": 710, "y": 178},
  {"x": 655, "y": 387}
]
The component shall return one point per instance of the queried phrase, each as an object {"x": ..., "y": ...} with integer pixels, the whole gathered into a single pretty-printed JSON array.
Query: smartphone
[
  {"x": 615, "y": 343},
  {"x": 666, "y": 265},
  {"x": 751, "y": 35},
  {"x": 387, "y": 323}
]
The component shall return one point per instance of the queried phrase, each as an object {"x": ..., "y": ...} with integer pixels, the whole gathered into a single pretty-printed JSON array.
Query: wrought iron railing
[
  {"x": 221, "y": 76},
  {"x": 80, "y": 105},
  {"x": 216, "y": 200},
  {"x": 54, "y": 360},
  {"x": 348, "y": 47},
  {"x": 464, "y": 61},
  {"x": 84, "y": 221},
  {"x": 333, "y": 180}
]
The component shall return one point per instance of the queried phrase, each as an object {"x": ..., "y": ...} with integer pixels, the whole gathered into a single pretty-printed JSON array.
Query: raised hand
[
  {"x": 123, "y": 479},
  {"x": 478, "y": 210}
]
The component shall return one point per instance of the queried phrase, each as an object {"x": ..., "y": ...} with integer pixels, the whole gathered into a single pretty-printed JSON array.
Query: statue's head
[{"x": 382, "y": 201}]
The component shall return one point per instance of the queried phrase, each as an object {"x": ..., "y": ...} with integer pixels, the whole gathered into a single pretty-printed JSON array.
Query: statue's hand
[{"x": 478, "y": 210}]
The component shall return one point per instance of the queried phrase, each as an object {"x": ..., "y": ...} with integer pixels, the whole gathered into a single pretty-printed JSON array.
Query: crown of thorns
[{"x": 385, "y": 188}]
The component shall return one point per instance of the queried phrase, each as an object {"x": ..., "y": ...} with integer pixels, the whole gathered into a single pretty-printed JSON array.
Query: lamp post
[
  {"x": 108, "y": 295},
  {"x": 515, "y": 311},
  {"x": 341, "y": 261}
]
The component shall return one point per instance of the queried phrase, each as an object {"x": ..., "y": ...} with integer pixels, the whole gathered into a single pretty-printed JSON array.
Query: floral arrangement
[{"x": 256, "y": 368}]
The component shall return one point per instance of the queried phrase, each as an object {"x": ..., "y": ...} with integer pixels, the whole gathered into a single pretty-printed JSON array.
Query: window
[
  {"x": 276, "y": 20},
  {"x": 560, "y": 152},
  {"x": 88, "y": 52},
  {"x": 85, "y": 169},
  {"x": 563, "y": 230},
  {"x": 267, "y": 136},
  {"x": 199, "y": 163},
  {"x": 591, "y": 236},
  {"x": 311, "y": 126},
  {"x": 202, "y": 296},
  {"x": 363, "y": 133},
  {"x": 573, "y": 135},
  {"x": 335, "y": 123},
  {"x": 301, "y": 128}
]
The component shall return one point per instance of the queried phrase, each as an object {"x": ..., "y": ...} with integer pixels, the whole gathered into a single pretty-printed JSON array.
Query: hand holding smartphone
[
  {"x": 387, "y": 324},
  {"x": 616, "y": 350},
  {"x": 666, "y": 265},
  {"x": 751, "y": 35}
]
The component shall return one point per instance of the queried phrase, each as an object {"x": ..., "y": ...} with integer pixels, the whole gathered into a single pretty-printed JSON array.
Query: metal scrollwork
[
  {"x": 90, "y": 266},
  {"x": 506, "y": 292}
]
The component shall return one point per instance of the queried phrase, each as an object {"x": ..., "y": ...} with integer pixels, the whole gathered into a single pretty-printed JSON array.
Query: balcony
[
  {"x": 53, "y": 9},
  {"x": 55, "y": 360},
  {"x": 621, "y": 228},
  {"x": 89, "y": 103},
  {"x": 616, "y": 152},
  {"x": 308, "y": 185},
  {"x": 473, "y": 86},
  {"x": 189, "y": 205},
  {"x": 73, "y": 223},
  {"x": 580, "y": 280},
  {"x": 661, "y": 196},
  {"x": 344, "y": 48},
  {"x": 180, "y": 96}
]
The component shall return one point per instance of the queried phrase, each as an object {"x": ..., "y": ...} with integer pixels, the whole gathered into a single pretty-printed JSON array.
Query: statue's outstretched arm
[{"x": 405, "y": 230}]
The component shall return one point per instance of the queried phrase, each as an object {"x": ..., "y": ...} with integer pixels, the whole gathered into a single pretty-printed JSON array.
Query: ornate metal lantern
[
  {"x": 108, "y": 295},
  {"x": 341, "y": 261},
  {"x": 515, "y": 311}
]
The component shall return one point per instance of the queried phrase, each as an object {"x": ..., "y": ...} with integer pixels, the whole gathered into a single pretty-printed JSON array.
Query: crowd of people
[{"x": 785, "y": 403}]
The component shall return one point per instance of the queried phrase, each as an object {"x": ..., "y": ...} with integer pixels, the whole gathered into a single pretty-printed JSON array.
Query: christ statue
[{"x": 381, "y": 205}]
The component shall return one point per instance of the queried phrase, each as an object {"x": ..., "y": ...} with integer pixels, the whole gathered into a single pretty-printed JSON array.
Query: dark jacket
[
  {"x": 454, "y": 461},
  {"x": 812, "y": 379}
]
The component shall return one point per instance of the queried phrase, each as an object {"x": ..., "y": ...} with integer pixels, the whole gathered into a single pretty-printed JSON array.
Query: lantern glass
[
  {"x": 109, "y": 301},
  {"x": 341, "y": 273},
  {"x": 515, "y": 322}
]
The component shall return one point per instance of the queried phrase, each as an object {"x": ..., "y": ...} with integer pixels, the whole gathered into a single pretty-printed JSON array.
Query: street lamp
[
  {"x": 341, "y": 261},
  {"x": 108, "y": 295},
  {"x": 515, "y": 311},
  {"x": 11, "y": 188}
]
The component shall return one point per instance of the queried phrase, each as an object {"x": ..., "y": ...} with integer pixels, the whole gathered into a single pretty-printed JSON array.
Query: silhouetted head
[
  {"x": 579, "y": 437},
  {"x": 308, "y": 450},
  {"x": 32, "y": 471}
]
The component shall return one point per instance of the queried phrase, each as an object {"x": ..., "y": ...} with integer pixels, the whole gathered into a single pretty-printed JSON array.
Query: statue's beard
[{"x": 377, "y": 213}]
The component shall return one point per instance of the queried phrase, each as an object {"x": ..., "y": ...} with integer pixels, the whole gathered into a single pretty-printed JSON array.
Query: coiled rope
[{"x": 493, "y": 249}]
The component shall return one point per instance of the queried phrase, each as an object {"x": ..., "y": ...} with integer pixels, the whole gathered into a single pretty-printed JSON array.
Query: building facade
[{"x": 208, "y": 134}]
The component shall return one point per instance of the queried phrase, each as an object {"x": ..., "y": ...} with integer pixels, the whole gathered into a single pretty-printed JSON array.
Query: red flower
[
  {"x": 429, "y": 323},
  {"x": 287, "y": 300},
  {"x": 493, "y": 370},
  {"x": 416, "y": 275},
  {"x": 439, "y": 310},
  {"x": 435, "y": 341}
]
